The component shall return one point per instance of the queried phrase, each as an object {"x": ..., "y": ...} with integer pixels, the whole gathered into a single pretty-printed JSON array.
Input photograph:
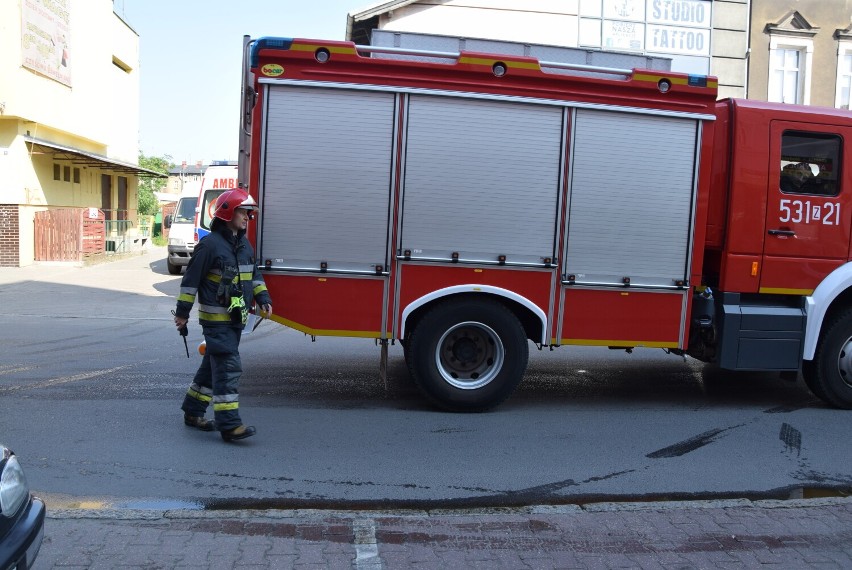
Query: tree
[{"x": 148, "y": 185}]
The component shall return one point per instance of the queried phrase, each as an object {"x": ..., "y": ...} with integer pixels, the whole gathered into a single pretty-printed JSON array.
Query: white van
[
  {"x": 184, "y": 233},
  {"x": 181, "y": 234}
]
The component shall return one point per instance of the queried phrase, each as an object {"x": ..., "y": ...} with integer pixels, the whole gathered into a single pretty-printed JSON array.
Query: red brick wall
[{"x": 9, "y": 234}]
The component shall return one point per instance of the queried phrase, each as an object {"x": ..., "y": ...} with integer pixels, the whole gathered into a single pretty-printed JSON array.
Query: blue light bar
[
  {"x": 268, "y": 43},
  {"x": 697, "y": 81}
]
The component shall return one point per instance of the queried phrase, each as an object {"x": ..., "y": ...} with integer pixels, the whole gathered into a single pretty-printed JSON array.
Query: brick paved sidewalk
[{"x": 814, "y": 533}]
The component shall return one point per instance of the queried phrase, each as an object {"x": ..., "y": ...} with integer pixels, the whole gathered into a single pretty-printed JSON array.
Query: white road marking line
[
  {"x": 13, "y": 370},
  {"x": 66, "y": 379}
]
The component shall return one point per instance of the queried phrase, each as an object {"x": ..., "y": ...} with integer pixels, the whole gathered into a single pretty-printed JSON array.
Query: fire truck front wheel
[
  {"x": 829, "y": 374},
  {"x": 468, "y": 355}
]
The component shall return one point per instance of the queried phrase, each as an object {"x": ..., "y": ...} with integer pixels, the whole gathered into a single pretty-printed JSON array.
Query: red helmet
[{"x": 230, "y": 200}]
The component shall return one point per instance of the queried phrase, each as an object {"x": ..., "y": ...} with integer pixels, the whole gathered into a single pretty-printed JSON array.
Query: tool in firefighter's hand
[
  {"x": 257, "y": 321},
  {"x": 263, "y": 312},
  {"x": 183, "y": 331}
]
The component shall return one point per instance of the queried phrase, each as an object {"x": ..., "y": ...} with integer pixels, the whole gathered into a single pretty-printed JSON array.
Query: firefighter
[
  {"x": 799, "y": 178},
  {"x": 223, "y": 274}
]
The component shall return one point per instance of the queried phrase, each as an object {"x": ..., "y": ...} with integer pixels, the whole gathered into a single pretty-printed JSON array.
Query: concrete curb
[{"x": 604, "y": 507}]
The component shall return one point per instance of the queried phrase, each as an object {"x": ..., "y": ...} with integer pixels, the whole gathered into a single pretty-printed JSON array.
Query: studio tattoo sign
[{"x": 677, "y": 27}]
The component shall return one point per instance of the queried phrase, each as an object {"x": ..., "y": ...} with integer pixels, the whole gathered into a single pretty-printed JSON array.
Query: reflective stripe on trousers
[{"x": 219, "y": 376}]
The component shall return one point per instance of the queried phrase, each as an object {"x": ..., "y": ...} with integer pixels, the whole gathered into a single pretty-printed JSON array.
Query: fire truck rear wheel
[
  {"x": 829, "y": 374},
  {"x": 468, "y": 355}
]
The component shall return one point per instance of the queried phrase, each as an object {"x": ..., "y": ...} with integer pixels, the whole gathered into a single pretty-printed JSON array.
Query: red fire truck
[{"x": 465, "y": 204}]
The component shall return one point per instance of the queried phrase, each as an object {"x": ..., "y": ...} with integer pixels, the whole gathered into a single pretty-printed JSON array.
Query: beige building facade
[
  {"x": 699, "y": 36},
  {"x": 794, "y": 51},
  {"x": 801, "y": 52},
  {"x": 69, "y": 116}
]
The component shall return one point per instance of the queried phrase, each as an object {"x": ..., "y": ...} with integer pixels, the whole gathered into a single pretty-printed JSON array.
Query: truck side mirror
[{"x": 167, "y": 221}]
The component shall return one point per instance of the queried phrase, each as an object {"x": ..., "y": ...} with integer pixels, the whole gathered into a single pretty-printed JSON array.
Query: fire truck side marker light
[
  {"x": 626, "y": 281},
  {"x": 477, "y": 271},
  {"x": 455, "y": 257},
  {"x": 672, "y": 80},
  {"x": 501, "y": 259},
  {"x": 499, "y": 69},
  {"x": 664, "y": 85},
  {"x": 322, "y": 55},
  {"x": 323, "y": 266},
  {"x": 407, "y": 255},
  {"x": 267, "y": 263},
  {"x": 754, "y": 265}
]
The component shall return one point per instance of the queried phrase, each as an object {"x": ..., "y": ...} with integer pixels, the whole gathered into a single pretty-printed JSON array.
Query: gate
[{"x": 69, "y": 234}]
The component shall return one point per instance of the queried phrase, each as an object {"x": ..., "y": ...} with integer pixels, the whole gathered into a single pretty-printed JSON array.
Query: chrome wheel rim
[
  {"x": 469, "y": 355},
  {"x": 844, "y": 362}
]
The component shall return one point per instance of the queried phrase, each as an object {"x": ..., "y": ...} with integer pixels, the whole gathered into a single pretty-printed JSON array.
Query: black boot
[
  {"x": 199, "y": 422},
  {"x": 239, "y": 432}
]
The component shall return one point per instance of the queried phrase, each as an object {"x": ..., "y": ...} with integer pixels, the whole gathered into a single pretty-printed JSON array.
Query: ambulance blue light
[
  {"x": 697, "y": 81},
  {"x": 268, "y": 43}
]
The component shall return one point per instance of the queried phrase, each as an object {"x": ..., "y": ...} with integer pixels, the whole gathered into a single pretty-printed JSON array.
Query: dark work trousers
[{"x": 218, "y": 378}]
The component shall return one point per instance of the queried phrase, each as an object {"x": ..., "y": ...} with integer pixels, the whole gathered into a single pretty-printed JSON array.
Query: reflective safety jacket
[{"x": 220, "y": 253}]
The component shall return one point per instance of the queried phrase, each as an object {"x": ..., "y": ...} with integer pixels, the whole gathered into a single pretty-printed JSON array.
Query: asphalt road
[{"x": 92, "y": 374}]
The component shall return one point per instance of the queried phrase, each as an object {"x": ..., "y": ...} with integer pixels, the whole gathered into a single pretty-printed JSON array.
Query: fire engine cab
[{"x": 465, "y": 204}]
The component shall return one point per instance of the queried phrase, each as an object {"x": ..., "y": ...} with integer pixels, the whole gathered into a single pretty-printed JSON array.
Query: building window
[
  {"x": 76, "y": 176},
  {"x": 66, "y": 173},
  {"x": 785, "y": 83},
  {"x": 844, "y": 76},
  {"x": 791, "y": 49},
  {"x": 57, "y": 172}
]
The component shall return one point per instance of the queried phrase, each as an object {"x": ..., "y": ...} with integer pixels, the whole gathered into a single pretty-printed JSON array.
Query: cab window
[{"x": 810, "y": 163}]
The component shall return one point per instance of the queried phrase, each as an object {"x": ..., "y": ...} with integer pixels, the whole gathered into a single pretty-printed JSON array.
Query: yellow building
[{"x": 69, "y": 117}]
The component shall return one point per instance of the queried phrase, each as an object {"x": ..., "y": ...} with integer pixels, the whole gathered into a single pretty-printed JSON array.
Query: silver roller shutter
[
  {"x": 632, "y": 185},
  {"x": 326, "y": 178},
  {"x": 481, "y": 179}
]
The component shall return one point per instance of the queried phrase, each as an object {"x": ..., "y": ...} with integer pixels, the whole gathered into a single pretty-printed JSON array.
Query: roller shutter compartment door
[
  {"x": 481, "y": 179},
  {"x": 326, "y": 178},
  {"x": 631, "y": 198}
]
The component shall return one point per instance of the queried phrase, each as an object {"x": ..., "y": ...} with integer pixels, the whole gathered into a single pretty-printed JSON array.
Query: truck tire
[
  {"x": 173, "y": 269},
  {"x": 829, "y": 374},
  {"x": 468, "y": 355}
]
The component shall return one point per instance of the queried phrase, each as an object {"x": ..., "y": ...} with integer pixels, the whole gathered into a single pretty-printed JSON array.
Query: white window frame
[
  {"x": 806, "y": 48},
  {"x": 844, "y": 48}
]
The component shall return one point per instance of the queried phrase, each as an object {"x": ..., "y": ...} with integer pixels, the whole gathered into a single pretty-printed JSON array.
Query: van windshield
[{"x": 185, "y": 211}]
